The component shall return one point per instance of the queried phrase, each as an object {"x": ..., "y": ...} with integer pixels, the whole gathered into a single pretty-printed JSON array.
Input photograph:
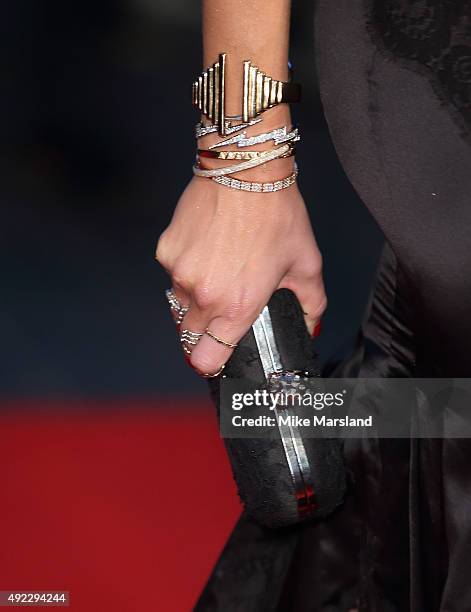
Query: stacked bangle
[
  {"x": 236, "y": 155},
  {"x": 278, "y": 135},
  {"x": 227, "y": 181},
  {"x": 260, "y": 93},
  {"x": 264, "y": 157},
  {"x": 203, "y": 130}
]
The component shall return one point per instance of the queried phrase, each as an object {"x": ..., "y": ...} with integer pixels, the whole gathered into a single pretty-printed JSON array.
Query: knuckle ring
[
  {"x": 189, "y": 339},
  {"x": 220, "y": 340},
  {"x": 175, "y": 306}
]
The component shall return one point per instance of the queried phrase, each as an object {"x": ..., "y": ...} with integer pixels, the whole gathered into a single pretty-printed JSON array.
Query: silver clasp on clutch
[{"x": 293, "y": 444}]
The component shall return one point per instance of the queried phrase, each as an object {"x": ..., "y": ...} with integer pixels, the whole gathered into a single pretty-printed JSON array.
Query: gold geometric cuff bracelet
[{"x": 260, "y": 92}]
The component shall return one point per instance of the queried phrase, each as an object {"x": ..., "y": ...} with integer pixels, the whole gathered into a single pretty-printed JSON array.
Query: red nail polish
[{"x": 317, "y": 329}]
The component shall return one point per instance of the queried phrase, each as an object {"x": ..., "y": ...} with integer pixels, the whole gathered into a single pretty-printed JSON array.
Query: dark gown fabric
[{"x": 395, "y": 81}]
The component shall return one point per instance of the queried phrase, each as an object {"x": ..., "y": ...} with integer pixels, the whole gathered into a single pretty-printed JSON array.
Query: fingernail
[{"x": 317, "y": 329}]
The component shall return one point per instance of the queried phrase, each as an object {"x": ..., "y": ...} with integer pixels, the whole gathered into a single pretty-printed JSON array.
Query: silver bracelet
[
  {"x": 278, "y": 135},
  {"x": 202, "y": 130},
  {"x": 233, "y": 183},
  {"x": 265, "y": 157}
]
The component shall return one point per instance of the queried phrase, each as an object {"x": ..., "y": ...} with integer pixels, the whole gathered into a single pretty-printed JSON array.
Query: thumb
[{"x": 311, "y": 295}]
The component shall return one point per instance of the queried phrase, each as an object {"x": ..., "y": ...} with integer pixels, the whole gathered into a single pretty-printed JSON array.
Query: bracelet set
[{"x": 260, "y": 92}]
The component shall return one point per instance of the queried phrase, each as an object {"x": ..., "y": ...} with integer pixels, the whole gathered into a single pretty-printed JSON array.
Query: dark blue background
[{"x": 96, "y": 132}]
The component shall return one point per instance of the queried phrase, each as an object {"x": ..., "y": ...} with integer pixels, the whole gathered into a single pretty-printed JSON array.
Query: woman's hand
[{"x": 227, "y": 251}]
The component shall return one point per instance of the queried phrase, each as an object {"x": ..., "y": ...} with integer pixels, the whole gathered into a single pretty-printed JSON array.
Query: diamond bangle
[
  {"x": 278, "y": 135},
  {"x": 233, "y": 183},
  {"x": 203, "y": 130}
]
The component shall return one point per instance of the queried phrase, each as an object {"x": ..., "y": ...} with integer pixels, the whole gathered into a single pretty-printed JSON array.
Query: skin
[{"x": 227, "y": 251}]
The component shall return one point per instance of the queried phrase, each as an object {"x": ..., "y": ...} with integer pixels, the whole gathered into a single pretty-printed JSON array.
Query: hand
[{"x": 227, "y": 251}]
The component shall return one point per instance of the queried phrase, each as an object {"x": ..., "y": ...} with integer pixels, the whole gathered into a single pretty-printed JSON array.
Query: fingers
[
  {"x": 179, "y": 295},
  {"x": 224, "y": 325},
  {"x": 195, "y": 322},
  {"x": 226, "y": 312},
  {"x": 178, "y": 301},
  {"x": 217, "y": 345},
  {"x": 213, "y": 325},
  {"x": 183, "y": 298},
  {"x": 311, "y": 295},
  {"x": 306, "y": 281}
]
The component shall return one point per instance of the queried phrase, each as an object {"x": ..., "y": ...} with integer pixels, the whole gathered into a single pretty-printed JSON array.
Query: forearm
[
  {"x": 254, "y": 30},
  {"x": 228, "y": 250},
  {"x": 246, "y": 29}
]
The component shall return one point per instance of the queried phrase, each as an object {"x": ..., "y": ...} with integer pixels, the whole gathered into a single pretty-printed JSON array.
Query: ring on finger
[
  {"x": 189, "y": 339},
  {"x": 215, "y": 374},
  {"x": 175, "y": 306},
  {"x": 172, "y": 299},
  {"x": 220, "y": 340}
]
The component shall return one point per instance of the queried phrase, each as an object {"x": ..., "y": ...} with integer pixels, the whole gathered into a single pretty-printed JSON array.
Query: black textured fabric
[{"x": 433, "y": 37}]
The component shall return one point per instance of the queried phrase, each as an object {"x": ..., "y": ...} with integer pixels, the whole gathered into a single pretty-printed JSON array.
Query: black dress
[{"x": 395, "y": 80}]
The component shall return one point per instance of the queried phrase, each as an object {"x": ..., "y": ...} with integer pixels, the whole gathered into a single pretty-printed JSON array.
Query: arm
[
  {"x": 247, "y": 29},
  {"x": 227, "y": 251}
]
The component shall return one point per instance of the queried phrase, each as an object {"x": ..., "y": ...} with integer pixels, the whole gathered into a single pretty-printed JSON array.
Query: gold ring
[
  {"x": 220, "y": 340},
  {"x": 216, "y": 374}
]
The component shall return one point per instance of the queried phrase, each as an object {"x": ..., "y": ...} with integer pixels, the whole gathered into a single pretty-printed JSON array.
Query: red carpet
[{"x": 125, "y": 505}]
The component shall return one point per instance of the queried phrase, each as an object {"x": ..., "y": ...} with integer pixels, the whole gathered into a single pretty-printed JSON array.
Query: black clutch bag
[{"x": 287, "y": 478}]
